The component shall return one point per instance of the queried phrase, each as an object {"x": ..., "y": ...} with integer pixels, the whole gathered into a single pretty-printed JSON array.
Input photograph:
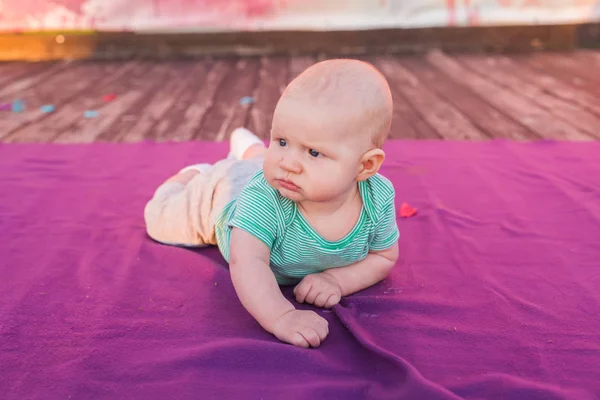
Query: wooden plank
[
  {"x": 559, "y": 73},
  {"x": 58, "y": 90},
  {"x": 592, "y": 56},
  {"x": 9, "y": 69},
  {"x": 272, "y": 83},
  {"x": 487, "y": 118},
  {"x": 167, "y": 127},
  {"x": 160, "y": 102},
  {"x": 549, "y": 83},
  {"x": 407, "y": 122},
  {"x": 88, "y": 130},
  {"x": 6, "y": 67},
  {"x": 41, "y": 73},
  {"x": 150, "y": 84},
  {"x": 203, "y": 101},
  {"x": 449, "y": 122},
  {"x": 521, "y": 109},
  {"x": 298, "y": 64},
  {"x": 403, "y": 119},
  {"x": 227, "y": 112},
  {"x": 66, "y": 116},
  {"x": 589, "y": 59},
  {"x": 17, "y": 70},
  {"x": 121, "y": 114},
  {"x": 576, "y": 116},
  {"x": 571, "y": 64}
]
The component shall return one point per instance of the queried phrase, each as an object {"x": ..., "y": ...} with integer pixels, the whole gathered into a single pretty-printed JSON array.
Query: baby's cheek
[
  {"x": 268, "y": 168},
  {"x": 325, "y": 186}
]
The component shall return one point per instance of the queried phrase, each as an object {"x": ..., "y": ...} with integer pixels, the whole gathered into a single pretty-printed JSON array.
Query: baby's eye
[
  {"x": 282, "y": 142},
  {"x": 313, "y": 153}
]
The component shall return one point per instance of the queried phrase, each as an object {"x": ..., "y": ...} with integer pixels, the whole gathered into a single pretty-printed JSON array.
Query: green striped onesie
[{"x": 297, "y": 249}]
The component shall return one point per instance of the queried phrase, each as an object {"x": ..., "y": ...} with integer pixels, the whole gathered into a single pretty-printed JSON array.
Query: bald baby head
[{"x": 350, "y": 93}]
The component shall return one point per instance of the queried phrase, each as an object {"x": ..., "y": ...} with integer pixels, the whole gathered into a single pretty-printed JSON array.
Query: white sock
[
  {"x": 241, "y": 140},
  {"x": 202, "y": 168}
]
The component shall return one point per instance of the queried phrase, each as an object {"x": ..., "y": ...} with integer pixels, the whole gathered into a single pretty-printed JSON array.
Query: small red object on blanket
[{"x": 407, "y": 211}]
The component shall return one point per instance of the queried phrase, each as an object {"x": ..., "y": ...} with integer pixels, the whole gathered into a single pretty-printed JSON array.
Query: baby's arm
[
  {"x": 363, "y": 274},
  {"x": 253, "y": 280},
  {"x": 259, "y": 293},
  {"x": 325, "y": 289}
]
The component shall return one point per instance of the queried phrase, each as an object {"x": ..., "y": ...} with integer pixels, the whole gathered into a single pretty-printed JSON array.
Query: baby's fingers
[
  {"x": 298, "y": 340},
  {"x": 322, "y": 329},
  {"x": 332, "y": 300},
  {"x": 311, "y": 336},
  {"x": 301, "y": 291},
  {"x": 321, "y": 299},
  {"x": 312, "y": 294}
]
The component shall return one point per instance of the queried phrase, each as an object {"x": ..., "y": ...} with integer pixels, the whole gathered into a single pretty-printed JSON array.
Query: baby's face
[{"x": 314, "y": 155}]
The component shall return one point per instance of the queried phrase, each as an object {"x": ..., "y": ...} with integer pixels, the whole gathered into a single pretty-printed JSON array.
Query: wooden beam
[{"x": 120, "y": 45}]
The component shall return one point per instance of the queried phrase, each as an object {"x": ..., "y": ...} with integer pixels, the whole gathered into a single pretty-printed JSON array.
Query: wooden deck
[{"x": 437, "y": 96}]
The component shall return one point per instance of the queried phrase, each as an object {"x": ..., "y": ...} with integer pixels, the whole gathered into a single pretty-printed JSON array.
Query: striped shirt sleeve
[
  {"x": 386, "y": 231},
  {"x": 386, "y": 227},
  {"x": 257, "y": 212}
]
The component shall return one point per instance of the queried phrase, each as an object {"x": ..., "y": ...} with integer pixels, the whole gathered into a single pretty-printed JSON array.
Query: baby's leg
[
  {"x": 183, "y": 177},
  {"x": 188, "y": 173},
  {"x": 170, "y": 216},
  {"x": 245, "y": 145},
  {"x": 254, "y": 151},
  {"x": 179, "y": 213}
]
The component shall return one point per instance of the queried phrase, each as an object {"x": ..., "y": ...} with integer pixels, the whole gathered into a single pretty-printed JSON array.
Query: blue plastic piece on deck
[
  {"x": 48, "y": 108},
  {"x": 18, "y": 106},
  {"x": 246, "y": 100},
  {"x": 90, "y": 114}
]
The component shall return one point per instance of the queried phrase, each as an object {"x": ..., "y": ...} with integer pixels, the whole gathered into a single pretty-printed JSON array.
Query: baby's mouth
[{"x": 289, "y": 185}]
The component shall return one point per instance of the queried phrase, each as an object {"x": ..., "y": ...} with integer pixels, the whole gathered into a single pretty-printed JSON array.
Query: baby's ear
[{"x": 370, "y": 163}]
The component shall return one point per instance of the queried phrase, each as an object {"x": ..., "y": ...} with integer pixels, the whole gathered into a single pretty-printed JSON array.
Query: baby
[{"x": 310, "y": 210}]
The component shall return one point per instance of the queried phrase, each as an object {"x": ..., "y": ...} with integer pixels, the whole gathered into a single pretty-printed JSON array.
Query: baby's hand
[
  {"x": 321, "y": 289},
  {"x": 301, "y": 328}
]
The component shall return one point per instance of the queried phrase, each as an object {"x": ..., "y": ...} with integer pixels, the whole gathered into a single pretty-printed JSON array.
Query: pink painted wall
[{"x": 223, "y": 15}]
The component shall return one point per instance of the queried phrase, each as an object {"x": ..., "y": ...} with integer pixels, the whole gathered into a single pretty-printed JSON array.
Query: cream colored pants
[{"x": 184, "y": 215}]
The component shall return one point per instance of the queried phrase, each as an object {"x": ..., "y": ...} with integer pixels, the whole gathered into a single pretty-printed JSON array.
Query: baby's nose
[{"x": 288, "y": 164}]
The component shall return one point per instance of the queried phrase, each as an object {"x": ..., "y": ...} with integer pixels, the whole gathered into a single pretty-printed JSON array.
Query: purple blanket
[{"x": 496, "y": 295}]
